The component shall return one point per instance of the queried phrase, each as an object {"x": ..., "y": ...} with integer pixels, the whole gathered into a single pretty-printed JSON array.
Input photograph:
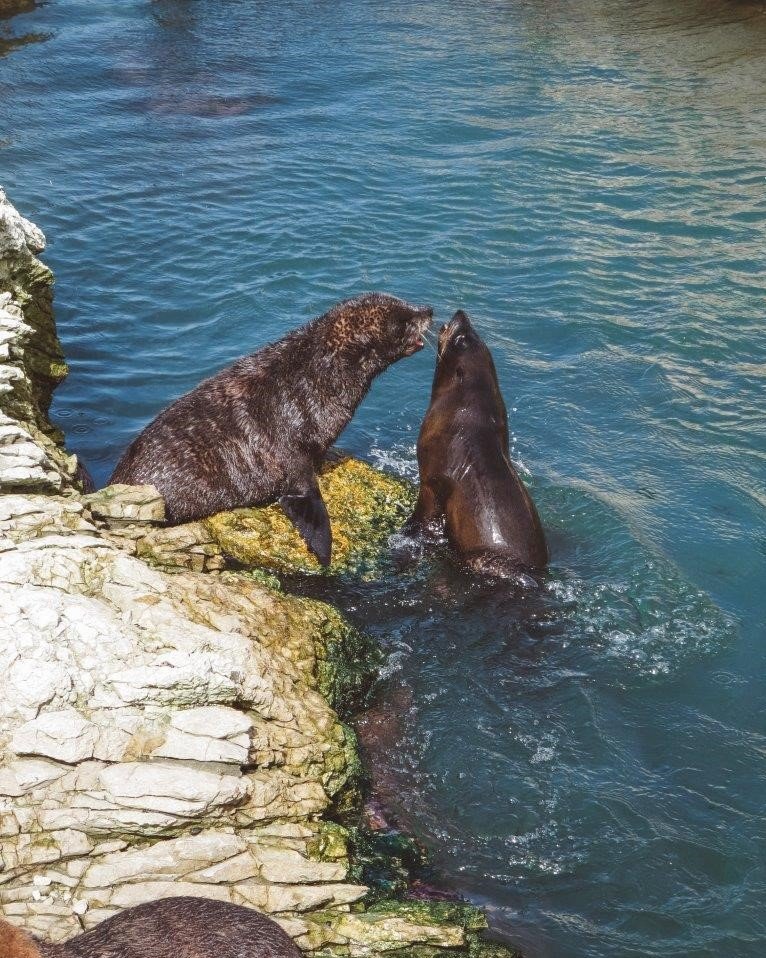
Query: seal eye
[{"x": 459, "y": 341}]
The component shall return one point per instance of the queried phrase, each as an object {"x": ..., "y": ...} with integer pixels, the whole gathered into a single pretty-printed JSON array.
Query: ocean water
[{"x": 588, "y": 180}]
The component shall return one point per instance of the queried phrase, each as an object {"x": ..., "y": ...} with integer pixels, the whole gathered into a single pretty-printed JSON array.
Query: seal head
[
  {"x": 377, "y": 328},
  {"x": 468, "y": 482}
]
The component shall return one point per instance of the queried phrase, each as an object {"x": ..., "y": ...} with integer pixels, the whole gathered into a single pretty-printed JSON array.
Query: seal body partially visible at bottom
[
  {"x": 182, "y": 927},
  {"x": 467, "y": 480}
]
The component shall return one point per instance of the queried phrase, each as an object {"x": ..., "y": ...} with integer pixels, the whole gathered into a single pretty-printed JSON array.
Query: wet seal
[
  {"x": 467, "y": 481},
  {"x": 257, "y": 431},
  {"x": 182, "y": 927}
]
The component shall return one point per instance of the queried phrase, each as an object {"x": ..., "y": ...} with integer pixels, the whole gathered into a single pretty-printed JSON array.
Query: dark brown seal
[
  {"x": 169, "y": 928},
  {"x": 258, "y": 430},
  {"x": 466, "y": 476}
]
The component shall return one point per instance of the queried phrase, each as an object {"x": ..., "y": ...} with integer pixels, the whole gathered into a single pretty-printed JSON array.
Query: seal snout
[
  {"x": 424, "y": 317},
  {"x": 421, "y": 319},
  {"x": 460, "y": 323}
]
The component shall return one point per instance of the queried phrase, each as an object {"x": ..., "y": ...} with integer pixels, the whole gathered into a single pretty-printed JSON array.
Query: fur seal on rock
[
  {"x": 258, "y": 430},
  {"x": 170, "y": 928},
  {"x": 466, "y": 475}
]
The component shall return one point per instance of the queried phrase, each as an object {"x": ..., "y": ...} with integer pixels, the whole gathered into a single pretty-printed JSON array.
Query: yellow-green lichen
[
  {"x": 330, "y": 843},
  {"x": 365, "y": 507},
  {"x": 459, "y": 913},
  {"x": 402, "y": 929}
]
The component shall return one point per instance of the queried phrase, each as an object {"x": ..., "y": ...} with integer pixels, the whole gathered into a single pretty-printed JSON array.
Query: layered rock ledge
[{"x": 167, "y": 727}]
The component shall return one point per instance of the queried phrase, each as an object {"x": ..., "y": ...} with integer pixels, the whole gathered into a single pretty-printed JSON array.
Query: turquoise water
[{"x": 587, "y": 180}]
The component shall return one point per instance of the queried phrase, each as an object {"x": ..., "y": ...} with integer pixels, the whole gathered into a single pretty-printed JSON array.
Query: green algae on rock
[
  {"x": 365, "y": 506},
  {"x": 385, "y": 861},
  {"x": 406, "y": 929}
]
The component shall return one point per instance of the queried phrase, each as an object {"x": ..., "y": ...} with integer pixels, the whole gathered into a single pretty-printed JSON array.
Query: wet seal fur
[
  {"x": 170, "y": 928},
  {"x": 258, "y": 430},
  {"x": 467, "y": 480}
]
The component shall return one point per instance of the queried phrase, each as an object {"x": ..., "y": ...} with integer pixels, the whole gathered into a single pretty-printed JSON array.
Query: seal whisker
[{"x": 427, "y": 339}]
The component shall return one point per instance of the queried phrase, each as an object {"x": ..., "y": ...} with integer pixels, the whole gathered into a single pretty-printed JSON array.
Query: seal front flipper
[
  {"x": 426, "y": 515},
  {"x": 305, "y": 508}
]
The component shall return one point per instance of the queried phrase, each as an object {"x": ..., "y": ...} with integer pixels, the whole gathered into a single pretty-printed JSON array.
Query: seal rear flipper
[{"x": 308, "y": 513}]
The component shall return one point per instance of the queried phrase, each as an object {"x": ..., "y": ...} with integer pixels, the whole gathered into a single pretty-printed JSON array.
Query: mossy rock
[
  {"x": 447, "y": 914},
  {"x": 365, "y": 506},
  {"x": 330, "y": 843},
  {"x": 347, "y": 659},
  {"x": 403, "y": 929},
  {"x": 460, "y": 913},
  {"x": 334, "y": 658}
]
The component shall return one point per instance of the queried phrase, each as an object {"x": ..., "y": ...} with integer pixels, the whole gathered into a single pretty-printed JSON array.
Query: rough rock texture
[
  {"x": 32, "y": 454},
  {"x": 161, "y": 732},
  {"x": 365, "y": 506},
  {"x": 131, "y": 515}
]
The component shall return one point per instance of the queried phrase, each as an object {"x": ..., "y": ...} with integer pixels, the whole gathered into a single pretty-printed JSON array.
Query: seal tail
[{"x": 500, "y": 565}]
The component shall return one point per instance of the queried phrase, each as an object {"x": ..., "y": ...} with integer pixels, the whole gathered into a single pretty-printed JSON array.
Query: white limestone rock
[
  {"x": 286, "y": 866},
  {"x": 127, "y": 504},
  {"x": 17, "y": 234},
  {"x": 184, "y": 791},
  {"x": 174, "y": 858},
  {"x": 212, "y": 733},
  {"x": 25, "y": 775},
  {"x": 64, "y": 736}
]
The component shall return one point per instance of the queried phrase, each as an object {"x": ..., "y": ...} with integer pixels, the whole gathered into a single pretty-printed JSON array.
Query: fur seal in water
[
  {"x": 181, "y": 927},
  {"x": 466, "y": 475},
  {"x": 258, "y": 430}
]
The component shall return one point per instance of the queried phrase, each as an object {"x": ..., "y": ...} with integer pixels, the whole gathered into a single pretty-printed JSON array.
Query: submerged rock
[{"x": 365, "y": 507}]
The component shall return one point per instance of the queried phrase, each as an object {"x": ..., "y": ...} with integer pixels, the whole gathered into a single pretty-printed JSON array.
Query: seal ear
[{"x": 306, "y": 510}]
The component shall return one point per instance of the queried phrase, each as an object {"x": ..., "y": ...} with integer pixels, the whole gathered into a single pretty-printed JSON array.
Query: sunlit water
[{"x": 588, "y": 180}]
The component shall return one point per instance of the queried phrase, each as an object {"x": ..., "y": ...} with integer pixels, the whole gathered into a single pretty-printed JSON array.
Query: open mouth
[{"x": 417, "y": 340}]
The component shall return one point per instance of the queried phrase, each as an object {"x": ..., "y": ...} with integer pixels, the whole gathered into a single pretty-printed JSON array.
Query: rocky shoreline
[{"x": 169, "y": 725}]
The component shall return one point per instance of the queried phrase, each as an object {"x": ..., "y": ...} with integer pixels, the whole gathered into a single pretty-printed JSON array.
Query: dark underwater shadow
[
  {"x": 10, "y": 41},
  {"x": 11, "y": 8},
  {"x": 173, "y": 78}
]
